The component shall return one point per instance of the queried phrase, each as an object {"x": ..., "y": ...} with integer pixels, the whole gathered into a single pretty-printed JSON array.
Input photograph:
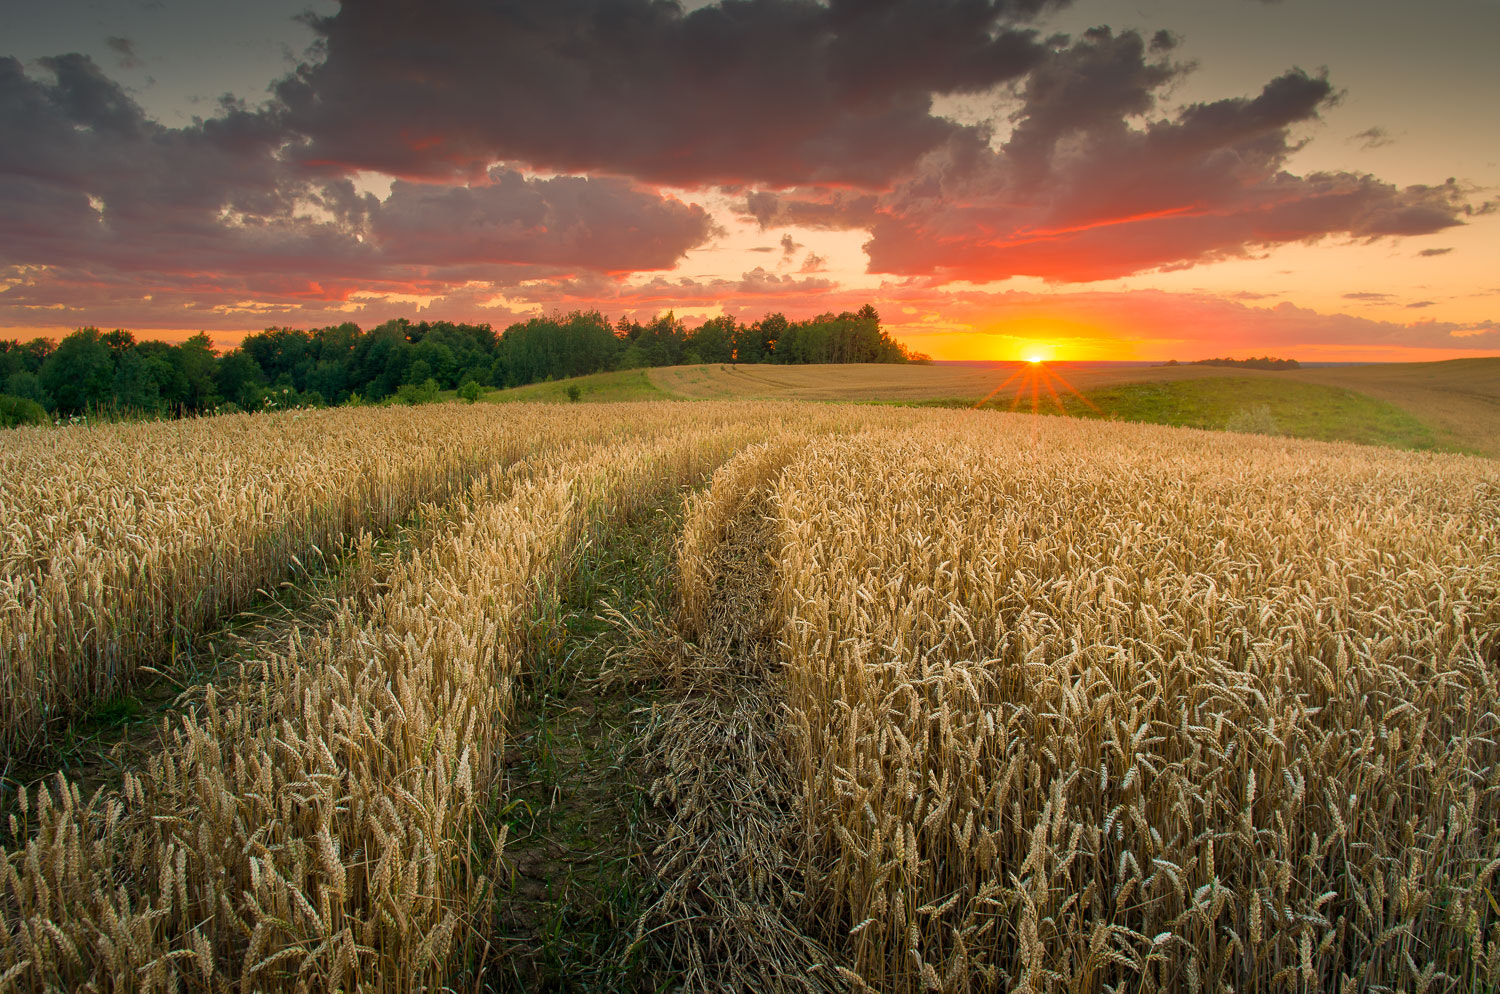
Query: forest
[
  {"x": 1255, "y": 362},
  {"x": 92, "y": 372}
]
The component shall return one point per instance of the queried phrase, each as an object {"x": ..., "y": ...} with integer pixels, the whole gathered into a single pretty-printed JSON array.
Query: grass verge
[
  {"x": 1299, "y": 410},
  {"x": 625, "y": 384}
]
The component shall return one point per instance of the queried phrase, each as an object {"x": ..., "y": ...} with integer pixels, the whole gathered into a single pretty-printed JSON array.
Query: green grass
[
  {"x": 575, "y": 881},
  {"x": 1301, "y": 410},
  {"x": 1284, "y": 407},
  {"x": 626, "y": 384}
]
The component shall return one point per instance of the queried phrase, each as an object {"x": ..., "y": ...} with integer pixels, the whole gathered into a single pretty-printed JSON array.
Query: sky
[{"x": 1135, "y": 180}]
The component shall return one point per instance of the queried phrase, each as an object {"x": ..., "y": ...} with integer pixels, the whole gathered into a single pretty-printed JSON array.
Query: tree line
[
  {"x": 92, "y": 371},
  {"x": 1256, "y": 362}
]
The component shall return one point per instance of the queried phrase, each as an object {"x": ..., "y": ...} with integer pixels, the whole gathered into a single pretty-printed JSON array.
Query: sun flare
[{"x": 1034, "y": 359}]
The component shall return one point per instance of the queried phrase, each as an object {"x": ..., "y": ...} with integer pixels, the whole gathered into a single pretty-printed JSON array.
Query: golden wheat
[
  {"x": 1084, "y": 707},
  {"x": 122, "y": 542}
]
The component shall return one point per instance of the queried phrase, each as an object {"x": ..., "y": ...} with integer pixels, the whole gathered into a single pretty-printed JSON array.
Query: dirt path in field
[
  {"x": 574, "y": 868},
  {"x": 649, "y": 798}
]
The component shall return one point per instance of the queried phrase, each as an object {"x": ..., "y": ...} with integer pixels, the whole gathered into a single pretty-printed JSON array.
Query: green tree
[
  {"x": 418, "y": 393},
  {"x": 240, "y": 380},
  {"x": 28, "y": 386},
  {"x": 80, "y": 374},
  {"x": 418, "y": 372},
  {"x": 713, "y": 341},
  {"x": 195, "y": 360}
]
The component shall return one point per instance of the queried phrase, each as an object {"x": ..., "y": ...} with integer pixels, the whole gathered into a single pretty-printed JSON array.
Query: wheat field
[
  {"x": 1101, "y": 709},
  {"x": 954, "y": 701}
]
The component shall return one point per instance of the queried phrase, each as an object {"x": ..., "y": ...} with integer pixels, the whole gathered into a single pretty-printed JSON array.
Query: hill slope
[
  {"x": 1459, "y": 400},
  {"x": 1458, "y": 397}
]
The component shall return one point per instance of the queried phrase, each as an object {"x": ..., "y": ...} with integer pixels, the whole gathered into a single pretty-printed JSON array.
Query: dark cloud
[
  {"x": 125, "y": 49},
  {"x": 1095, "y": 183},
  {"x": 1366, "y": 295},
  {"x": 88, "y": 183},
  {"x": 813, "y": 207},
  {"x": 1429, "y": 253},
  {"x": 1422, "y": 303},
  {"x": 783, "y": 92},
  {"x": 1372, "y": 138},
  {"x": 600, "y": 223},
  {"x": 252, "y": 211}
]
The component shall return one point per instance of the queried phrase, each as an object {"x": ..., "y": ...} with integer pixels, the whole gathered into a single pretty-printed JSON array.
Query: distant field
[
  {"x": 1460, "y": 398},
  {"x": 1452, "y": 405},
  {"x": 856, "y": 381},
  {"x": 627, "y": 384},
  {"x": 1236, "y": 403}
]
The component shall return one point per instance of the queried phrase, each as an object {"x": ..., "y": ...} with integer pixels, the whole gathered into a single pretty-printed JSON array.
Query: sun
[{"x": 1035, "y": 360}]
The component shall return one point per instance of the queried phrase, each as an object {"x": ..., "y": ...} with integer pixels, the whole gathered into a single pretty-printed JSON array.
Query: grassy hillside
[
  {"x": 856, "y": 381},
  {"x": 1302, "y": 410},
  {"x": 1459, "y": 398},
  {"x": 1452, "y": 405},
  {"x": 627, "y": 384}
]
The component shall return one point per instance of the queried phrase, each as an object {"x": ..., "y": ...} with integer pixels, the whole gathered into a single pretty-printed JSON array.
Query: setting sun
[{"x": 1034, "y": 359}]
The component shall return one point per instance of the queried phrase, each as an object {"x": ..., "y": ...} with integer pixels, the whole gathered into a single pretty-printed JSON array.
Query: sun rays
[{"x": 1036, "y": 381}]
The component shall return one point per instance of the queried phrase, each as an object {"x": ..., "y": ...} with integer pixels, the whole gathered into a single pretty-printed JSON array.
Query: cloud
[
  {"x": 1430, "y": 252},
  {"x": 1096, "y": 183},
  {"x": 802, "y": 114},
  {"x": 1372, "y": 138},
  {"x": 1366, "y": 295},
  {"x": 1422, "y": 303},
  {"x": 96, "y": 198},
  {"x": 125, "y": 49},
  {"x": 812, "y": 207},
  {"x": 1191, "y": 325},
  {"x": 781, "y": 92},
  {"x": 602, "y": 223}
]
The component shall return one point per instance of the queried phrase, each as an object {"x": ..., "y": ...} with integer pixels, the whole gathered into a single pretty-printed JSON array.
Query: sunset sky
[{"x": 1095, "y": 180}]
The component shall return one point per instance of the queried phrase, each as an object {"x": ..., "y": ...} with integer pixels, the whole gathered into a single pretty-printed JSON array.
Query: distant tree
[
  {"x": 80, "y": 374},
  {"x": 27, "y": 386},
  {"x": 195, "y": 359},
  {"x": 713, "y": 341},
  {"x": 418, "y": 372},
  {"x": 418, "y": 393},
  {"x": 240, "y": 380},
  {"x": 758, "y": 342},
  {"x": 470, "y": 390}
]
